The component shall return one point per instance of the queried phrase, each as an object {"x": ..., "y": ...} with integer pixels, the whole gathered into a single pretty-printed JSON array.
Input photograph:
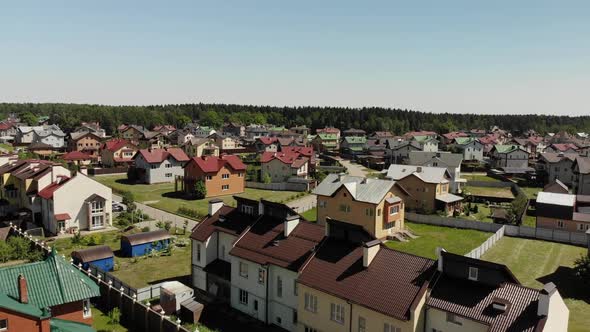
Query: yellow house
[
  {"x": 198, "y": 147},
  {"x": 346, "y": 286},
  {"x": 426, "y": 188},
  {"x": 374, "y": 204}
]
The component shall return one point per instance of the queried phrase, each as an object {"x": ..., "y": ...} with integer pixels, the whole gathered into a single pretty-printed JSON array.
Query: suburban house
[
  {"x": 254, "y": 131},
  {"x": 532, "y": 144},
  {"x": 250, "y": 257},
  {"x": 159, "y": 165},
  {"x": 79, "y": 158},
  {"x": 46, "y": 296},
  {"x": 71, "y": 204},
  {"x": 301, "y": 130},
  {"x": 180, "y": 136},
  {"x": 266, "y": 144},
  {"x": 223, "y": 175},
  {"x": 234, "y": 129},
  {"x": 581, "y": 167},
  {"x": 471, "y": 148},
  {"x": 203, "y": 131},
  {"x": 198, "y": 147},
  {"x": 562, "y": 148},
  {"x": 329, "y": 130},
  {"x": 556, "y": 187},
  {"x": 373, "y": 204},
  {"x": 449, "y": 138},
  {"x": 410, "y": 135},
  {"x": 451, "y": 161},
  {"x": 131, "y": 133},
  {"x": 116, "y": 152},
  {"x": 284, "y": 166},
  {"x": 474, "y": 295},
  {"x": 154, "y": 140},
  {"x": 91, "y": 127},
  {"x": 427, "y": 188},
  {"x": 326, "y": 142},
  {"x": 353, "y": 283},
  {"x": 48, "y": 134},
  {"x": 566, "y": 212},
  {"x": 225, "y": 143},
  {"x": 398, "y": 152},
  {"x": 86, "y": 142},
  {"x": 488, "y": 143},
  {"x": 164, "y": 129},
  {"x": 381, "y": 135},
  {"x": 352, "y": 145},
  {"x": 22, "y": 180},
  {"x": 8, "y": 130},
  {"x": 509, "y": 156},
  {"x": 427, "y": 143},
  {"x": 354, "y": 132},
  {"x": 557, "y": 166}
]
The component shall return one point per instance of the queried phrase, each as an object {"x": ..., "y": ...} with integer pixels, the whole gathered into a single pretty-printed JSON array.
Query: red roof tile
[
  {"x": 564, "y": 147},
  {"x": 115, "y": 144},
  {"x": 268, "y": 140},
  {"x": 159, "y": 155},
  {"x": 62, "y": 216},
  {"x": 77, "y": 155},
  {"x": 294, "y": 159},
  {"x": 209, "y": 164},
  {"x": 48, "y": 191}
]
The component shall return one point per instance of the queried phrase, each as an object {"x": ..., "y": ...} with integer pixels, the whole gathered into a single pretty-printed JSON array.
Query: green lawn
[
  {"x": 536, "y": 262},
  {"x": 162, "y": 195},
  {"x": 478, "y": 177},
  {"x": 311, "y": 215},
  {"x": 504, "y": 192},
  {"x": 141, "y": 271},
  {"x": 459, "y": 241},
  {"x": 483, "y": 213},
  {"x": 100, "y": 322},
  {"x": 531, "y": 192},
  {"x": 7, "y": 147}
]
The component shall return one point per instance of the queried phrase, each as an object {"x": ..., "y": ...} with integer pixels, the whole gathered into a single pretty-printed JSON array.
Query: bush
[
  {"x": 200, "y": 189},
  {"x": 188, "y": 212},
  {"x": 582, "y": 269},
  {"x": 77, "y": 238},
  {"x": 266, "y": 178},
  {"x": 475, "y": 208},
  {"x": 145, "y": 229},
  {"x": 129, "y": 200}
]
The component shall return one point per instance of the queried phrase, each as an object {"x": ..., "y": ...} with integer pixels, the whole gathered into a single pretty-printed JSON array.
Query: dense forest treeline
[{"x": 370, "y": 119}]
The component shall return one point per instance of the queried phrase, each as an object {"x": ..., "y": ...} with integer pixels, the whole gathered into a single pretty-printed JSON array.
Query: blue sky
[{"x": 435, "y": 56}]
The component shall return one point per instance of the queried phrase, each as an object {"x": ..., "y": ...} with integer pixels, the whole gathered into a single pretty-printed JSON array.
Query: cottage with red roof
[
  {"x": 158, "y": 165},
  {"x": 223, "y": 175},
  {"x": 283, "y": 166},
  {"x": 70, "y": 204},
  {"x": 78, "y": 158},
  {"x": 563, "y": 148},
  {"x": 266, "y": 144},
  {"x": 116, "y": 152}
]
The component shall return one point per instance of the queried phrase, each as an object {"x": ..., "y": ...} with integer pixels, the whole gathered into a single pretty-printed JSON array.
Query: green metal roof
[
  {"x": 505, "y": 148},
  {"x": 464, "y": 140},
  {"x": 23, "y": 308},
  {"x": 355, "y": 139},
  {"x": 421, "y": 138},
  {"x": 50, "y": 282},
  {"x": 325, "y": 136},
  {"x": 60, "y": 325}
]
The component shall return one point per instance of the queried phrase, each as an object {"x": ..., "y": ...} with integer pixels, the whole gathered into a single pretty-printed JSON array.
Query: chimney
[
  {"x": 23, "y": 295},
  {"x": 439, "y": 251},
  {"x": 546, "y": 295},
  {"x": 341, "y": 177},
  {"x": 370, "y": 250},
  {"x": 214, "y": 205},
  {"x": 419, "y": 169},
  {"x": 290, "y": 223}
]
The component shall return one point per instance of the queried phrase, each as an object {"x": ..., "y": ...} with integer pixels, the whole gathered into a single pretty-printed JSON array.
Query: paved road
[{"x": 352, "y": 168}]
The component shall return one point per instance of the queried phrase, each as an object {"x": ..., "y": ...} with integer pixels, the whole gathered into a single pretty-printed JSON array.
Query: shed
[
  {"x": 499, "y": 215},
  {"x": 190, "y": 311},
  {"x": 143, "y": 243},
  {"x": 172, "y": 294},
  {"x": 99, "y": 256}
]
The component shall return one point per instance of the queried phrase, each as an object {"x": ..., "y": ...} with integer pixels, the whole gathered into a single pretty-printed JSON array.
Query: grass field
[
  {"x": 162, "y": 195},
  {"x": 141, "y": 271},
  {"x": 536, "y": 262},
  {"x": 531, "y": 192},
  {"x": 459, "y": 241},
  {"x": 311, "y": 215},
  {"x": 7, "y": 147},
  {"x": 489, "y": 192},
  {"x": 100, "y": 322},
  {"x": 478, "y": 177},
  {"x": 483, "y": 213}
]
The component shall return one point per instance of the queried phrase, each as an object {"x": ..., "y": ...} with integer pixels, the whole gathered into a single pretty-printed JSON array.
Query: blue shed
[
  {"x": 99, "y": 256},
  {"x": 142, "y": 243}
]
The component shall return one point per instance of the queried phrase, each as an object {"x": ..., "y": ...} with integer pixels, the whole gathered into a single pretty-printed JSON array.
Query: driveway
[{"x": 352, "y": 168}]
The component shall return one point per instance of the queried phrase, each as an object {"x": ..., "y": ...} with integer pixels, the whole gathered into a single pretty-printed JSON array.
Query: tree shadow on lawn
[
  {"x": 567, "y": 284},
  {"x": 181, "y": 195},
  {"x": 185, "y": 279},
  {"x": 128, "y": 182}
]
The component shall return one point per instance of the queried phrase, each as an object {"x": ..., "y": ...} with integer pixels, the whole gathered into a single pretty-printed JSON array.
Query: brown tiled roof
[
  {"x": 265, "y": 243},
  {"x": 390, "y": 285},
  {"x": 234, "y": 223},
  {"x": 474, "y": 301}
]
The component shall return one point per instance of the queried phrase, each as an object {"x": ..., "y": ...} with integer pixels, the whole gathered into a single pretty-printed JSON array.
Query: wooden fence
[{"x": 279, "y": 186}]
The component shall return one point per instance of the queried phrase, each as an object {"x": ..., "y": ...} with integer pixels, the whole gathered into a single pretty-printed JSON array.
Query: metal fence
[
  {"x": 107, "y": 171},
  {"x": 279, "y": 186}
]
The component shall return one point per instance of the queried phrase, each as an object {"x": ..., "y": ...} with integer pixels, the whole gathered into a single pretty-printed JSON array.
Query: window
[
  {"x": 378, "y": 212},
  {"x": 86, "y": 311},
  {"x": 261, "y": 275},
  {"x": 309, "y": 329},
  {"x": 279, "y": 320},
  {"x": 225, "y": 187},
  {"x": 279, "y": 286},
  {"x": 222, "y": 254},
  {"x": 393, "y": 210},
  {"x": 560, "y": 224},
  {"x": 97, "y": 221},
  {"x": 388, "y": 225},
  {"x": 168, "y": 166},
  {"x": 583, "y": 227},
  {"x": 362, "y": 325},
  {"x": 248, "y": 209},
  {"x": 295, "y": 288},
  {"x": 244, "y": 270},
  {"x": 3, "y": 324},
  {"x": 323, "y": 204},
  {"x": 295, "y": 317},
  {"x": 311, "y": 303},
  {"x": 337, "y": 313},
  {"x": 255, "y": 305},
  {"x": 153, "y": 166},
  {"x": 168, "y": 175},
  {"x": 369, "y": 212},
  {"x": 243, "y": 297},
  {"x": 208, "y": 177},
  {"x": 198, "y": 252},
  {"x": 240, "y": 175},
  {"x": 473, "y": 271},
  {"x": 390, "y": 328},
  {"x": 345, "y": 208},
  {"x": 452, "y": 318},
  {"x": 97, "y": 207},
  {"x": 225, "y": 176}
]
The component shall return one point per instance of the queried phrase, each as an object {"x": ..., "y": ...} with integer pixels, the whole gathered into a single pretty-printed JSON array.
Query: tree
[
  {"x": 582, "y": 268},
  {"x": 20, "y": 247},
  {"x": 5, "y": 252},
  {"x": 129, "y": 201},
  {"x": 114, "y": 318},
  {"x": 200, "y": 189},
  {"x": 266, "y": 178},
  {"x": 184, "y": 226},
  {"x": 29, "y": 118}
]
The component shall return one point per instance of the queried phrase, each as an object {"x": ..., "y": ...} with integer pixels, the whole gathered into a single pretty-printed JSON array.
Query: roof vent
[
  {"x": 221, "y": 218},
  {"x": 275, "y": 243},
  {"x": 419, "y": 169},
  {"x": 500, "y": 305}
]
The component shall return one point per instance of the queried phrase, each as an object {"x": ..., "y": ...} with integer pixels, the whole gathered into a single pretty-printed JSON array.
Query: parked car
[{"x": 117, "y": 208}]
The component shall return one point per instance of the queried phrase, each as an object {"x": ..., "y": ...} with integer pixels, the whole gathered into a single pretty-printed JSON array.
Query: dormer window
[{"x": 473, "y": 273}]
